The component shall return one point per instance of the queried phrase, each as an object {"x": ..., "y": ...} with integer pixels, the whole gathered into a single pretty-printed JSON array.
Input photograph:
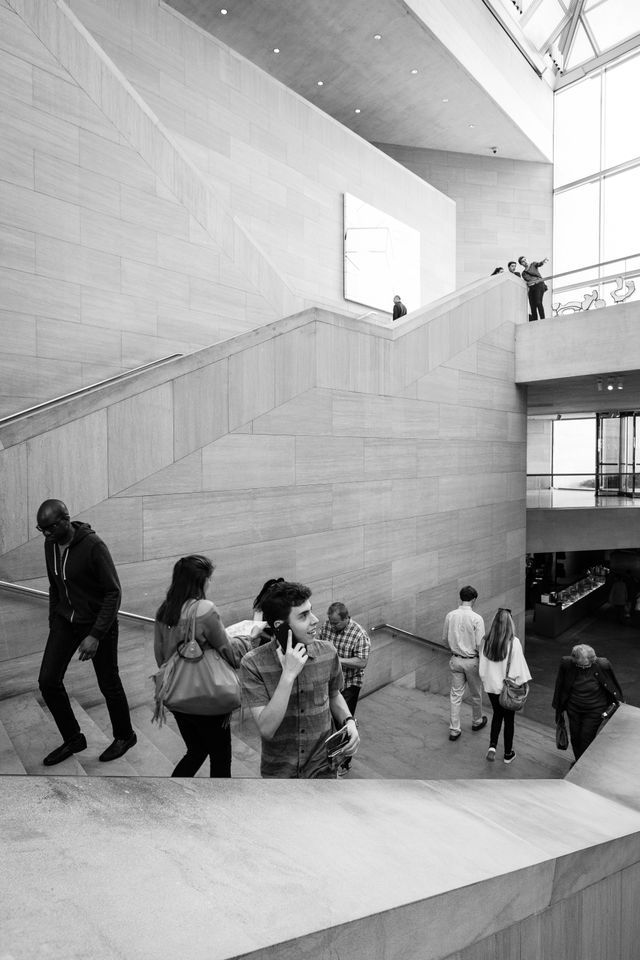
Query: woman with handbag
[
  {"x": 185, "y": 622},
  {"x": 586, "y": 687},
  {"x": 502, "y": 660}
]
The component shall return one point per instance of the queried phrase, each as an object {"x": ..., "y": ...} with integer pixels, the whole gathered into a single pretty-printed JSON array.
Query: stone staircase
[
  {"x": 28, "y": 733},
  {"x": 404, "y": 736}
]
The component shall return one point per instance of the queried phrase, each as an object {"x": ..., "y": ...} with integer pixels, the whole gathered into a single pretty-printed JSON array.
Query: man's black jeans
[
  {"x": 536, "y": 306},
  {"x": 63, "y": 641}
]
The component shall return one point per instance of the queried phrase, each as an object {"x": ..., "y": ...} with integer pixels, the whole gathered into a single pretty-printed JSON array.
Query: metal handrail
[
  {"x": 409, "y": 636},
  {"x": 83, "y": 390},
  {"x": 43, "y": 595},
  {"x": 591, "y": 266}
]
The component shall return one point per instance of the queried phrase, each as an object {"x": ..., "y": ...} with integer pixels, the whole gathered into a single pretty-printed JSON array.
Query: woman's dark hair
[
  {"x": 264, "y": 590},
  {"x": 190, "y": 575},
  {"x": 279, "y": 599},
  {"x": 496, "y": 642},
  {"x": 497, "y": 270}
]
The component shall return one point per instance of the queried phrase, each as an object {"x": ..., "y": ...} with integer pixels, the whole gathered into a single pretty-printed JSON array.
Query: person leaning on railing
[{"x": 536, "y": 287}]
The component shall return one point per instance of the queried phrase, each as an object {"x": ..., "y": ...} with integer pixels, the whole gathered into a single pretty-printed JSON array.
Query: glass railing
[
  {"x": 593, "y": 287},
  {"x": 561, "y": 481},
  {"x": 609, "y": 487}
]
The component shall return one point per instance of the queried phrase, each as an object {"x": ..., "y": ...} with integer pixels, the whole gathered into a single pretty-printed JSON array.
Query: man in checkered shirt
[{"x": 353, "y": 646}]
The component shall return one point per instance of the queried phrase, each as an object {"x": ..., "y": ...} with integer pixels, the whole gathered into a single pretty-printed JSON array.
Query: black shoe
[
  {"x": 455, "y": 734},
  {"x": 67, "y": 749},
  {"x": 118, "y": 748},
  {"x": 510, "y": 757},
  {"x": 479, "y": 725}
]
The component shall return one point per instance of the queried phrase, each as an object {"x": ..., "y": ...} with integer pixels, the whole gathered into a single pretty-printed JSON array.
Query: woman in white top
[
  {"x": 493, "y": 667},
  {"x": 204, "y": 736}
]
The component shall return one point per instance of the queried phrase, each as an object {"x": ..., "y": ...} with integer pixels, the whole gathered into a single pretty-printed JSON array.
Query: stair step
[
  {"x": 145, "y": 757},
  {"x": 10, "y": 762},
  {"x": 97, "y": 740},
  {"x": 166, "y": 738},
  {"x": 33, "y": 735}
]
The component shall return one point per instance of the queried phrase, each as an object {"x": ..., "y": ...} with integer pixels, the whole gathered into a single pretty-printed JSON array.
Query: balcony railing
[
  {"x": 595, "y": 286},
  {"x": 609, "y": 482}
]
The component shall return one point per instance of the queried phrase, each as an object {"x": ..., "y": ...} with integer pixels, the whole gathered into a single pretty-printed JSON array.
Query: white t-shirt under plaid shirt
[{"x": 352, "y": 642}]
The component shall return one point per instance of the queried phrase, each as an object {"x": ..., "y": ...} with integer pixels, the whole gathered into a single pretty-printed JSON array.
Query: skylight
[{"x": 574, "y": 32}]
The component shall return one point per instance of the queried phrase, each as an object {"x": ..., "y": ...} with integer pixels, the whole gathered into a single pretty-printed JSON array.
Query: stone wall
[
  {"x": 385, "y": 467},
  {"x": 503, "y": 206},
  {"x": 140, "y": 219}
]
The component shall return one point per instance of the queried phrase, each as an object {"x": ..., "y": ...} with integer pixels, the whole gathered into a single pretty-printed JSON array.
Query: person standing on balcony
[
  {"x": 513, "y": 268},
  {"x": 399, "y": 309},
  {"x": 464, "y": 631},
  {"x": 84, "y": 596},
  {"x": 536, "y": 287}
]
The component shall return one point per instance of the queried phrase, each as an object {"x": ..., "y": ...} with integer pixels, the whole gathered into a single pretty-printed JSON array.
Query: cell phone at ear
[{"x": 282, "y": 632}]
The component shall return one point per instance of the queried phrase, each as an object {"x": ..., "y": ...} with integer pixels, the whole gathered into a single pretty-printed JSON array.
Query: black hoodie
[{"x": 83, "y": 583}]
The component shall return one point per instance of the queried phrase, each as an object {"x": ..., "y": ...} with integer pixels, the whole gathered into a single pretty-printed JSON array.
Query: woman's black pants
[
  {"x": 500, "y": 714},
  {"x": 204, "y": 737}
]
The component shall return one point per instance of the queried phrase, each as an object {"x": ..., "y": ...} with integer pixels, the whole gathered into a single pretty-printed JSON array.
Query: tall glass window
[
  {"x": 577, "y": 131},
  {"x": 621, "y": 138},
  {"x": 597, "y": 187}
]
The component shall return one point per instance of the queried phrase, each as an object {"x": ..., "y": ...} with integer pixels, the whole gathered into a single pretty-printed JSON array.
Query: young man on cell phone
[{"x": 292, "y": 685}]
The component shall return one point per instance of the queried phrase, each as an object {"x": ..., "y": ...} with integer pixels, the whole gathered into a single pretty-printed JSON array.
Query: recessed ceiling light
[
  {"x": 357, "y": 110},
  {"x": 276, "y": 49},
  {"x": 471, "y": 126},
  {"x": 321, "y": 83},
  {"x": 414, "y": 71},
  {"x": 224, "y": 12},
  {"x": 445, "y": 99},
  {"x": 377, "y": 36}
]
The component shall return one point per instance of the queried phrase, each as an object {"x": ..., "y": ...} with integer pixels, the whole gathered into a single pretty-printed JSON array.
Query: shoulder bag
[
  {"x": 195, "y": 680},
  {"x": 562, "y": 737},
  {"x": 513, "y": 696}
]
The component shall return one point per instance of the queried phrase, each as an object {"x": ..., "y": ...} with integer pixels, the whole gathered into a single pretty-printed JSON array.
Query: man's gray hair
[{"x": 582, "y": 651}]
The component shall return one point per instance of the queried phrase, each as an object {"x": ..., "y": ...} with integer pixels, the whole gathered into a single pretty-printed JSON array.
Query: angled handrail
[
  {"x": 591, "y": 266},
  {"x": 43, "y": 595},
  {"x": 409, "y": 635},
  {"x": 88, "y": 389}
]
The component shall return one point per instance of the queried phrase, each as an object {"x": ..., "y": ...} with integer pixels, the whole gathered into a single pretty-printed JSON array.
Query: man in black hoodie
[{"x": 84, "y": 596}]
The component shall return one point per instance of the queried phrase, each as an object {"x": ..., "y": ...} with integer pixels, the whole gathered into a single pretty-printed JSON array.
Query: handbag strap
[
  {"x": 506, "y": 673},
  {"x": 190, "y": 629}
]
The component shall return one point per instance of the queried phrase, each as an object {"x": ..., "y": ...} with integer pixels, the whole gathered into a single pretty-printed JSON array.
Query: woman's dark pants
[
  {"x": 500, "y": 714},
  {"x": 204, "y": 737}
]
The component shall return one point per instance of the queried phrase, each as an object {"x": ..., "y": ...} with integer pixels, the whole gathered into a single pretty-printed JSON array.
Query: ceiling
[
  {"x": 333, "y": 41},
  {"x": 576, "y": 33}
]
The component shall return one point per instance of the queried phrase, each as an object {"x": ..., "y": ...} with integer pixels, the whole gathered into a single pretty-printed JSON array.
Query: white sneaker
[{"x": 491, "y": 754}]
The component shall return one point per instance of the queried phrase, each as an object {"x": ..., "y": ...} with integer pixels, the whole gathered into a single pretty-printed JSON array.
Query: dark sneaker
[
  {"x": 510, "y": 757},
  {"x": 491, "y": 754},
  {"x": 67, "y": 749},
  {"x": 118, "y": 748},
  {"x": 479, "y": 725},
  {"x": 455, "y": 734}
]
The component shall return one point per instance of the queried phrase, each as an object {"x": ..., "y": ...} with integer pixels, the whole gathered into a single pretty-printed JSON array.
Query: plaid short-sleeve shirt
[
  {"x": 352, "y": 642},
  {"x": 297, "y": 748}
]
